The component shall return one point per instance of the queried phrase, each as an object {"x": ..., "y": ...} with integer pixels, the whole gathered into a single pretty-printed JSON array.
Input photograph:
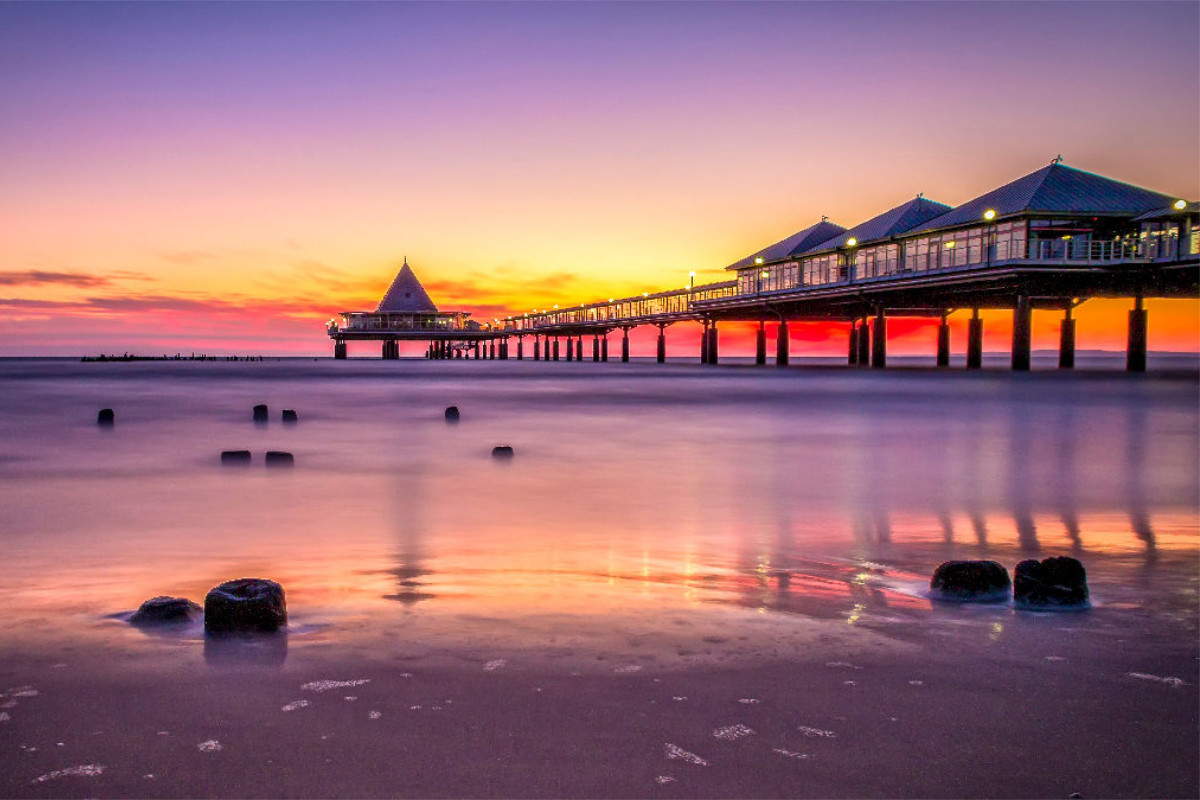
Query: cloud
[{"x": 31, "y": 277}]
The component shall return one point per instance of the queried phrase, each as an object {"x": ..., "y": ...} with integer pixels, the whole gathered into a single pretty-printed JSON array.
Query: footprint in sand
[
  {"x": 677, "y": 753},
  {"x": 209, "y": 746},
  {"x": 816, "y": 732},
  {"x": 731, "y": 733},
  {"x": 295, "y": 704},
  {"x": 86, "y": 770}
]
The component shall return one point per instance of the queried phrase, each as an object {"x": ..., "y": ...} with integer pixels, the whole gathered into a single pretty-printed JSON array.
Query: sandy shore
[{"x": 1047, "y": 709}]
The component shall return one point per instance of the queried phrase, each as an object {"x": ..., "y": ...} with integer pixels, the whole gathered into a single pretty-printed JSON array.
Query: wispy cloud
[{"x": 32, "y": 277}]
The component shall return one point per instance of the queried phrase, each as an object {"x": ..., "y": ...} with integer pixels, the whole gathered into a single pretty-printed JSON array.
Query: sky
[{"x": 223, "y": 178}]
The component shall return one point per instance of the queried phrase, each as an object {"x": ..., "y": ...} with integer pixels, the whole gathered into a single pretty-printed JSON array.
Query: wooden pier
[{"x": 1049, "y": 240}]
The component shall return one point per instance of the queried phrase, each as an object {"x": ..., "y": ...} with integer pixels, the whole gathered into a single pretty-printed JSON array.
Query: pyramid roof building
[
  {"x": 1056, "y": 188},
  {"x": 900, "y": 219},
  {"x": 802, "y": 241},
  {"x": 406, "y": 295}
]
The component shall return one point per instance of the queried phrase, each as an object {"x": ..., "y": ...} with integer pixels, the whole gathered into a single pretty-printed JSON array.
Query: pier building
[
  {"x": 406, "y": 312},
  {"x": 1049, "y": 240}
]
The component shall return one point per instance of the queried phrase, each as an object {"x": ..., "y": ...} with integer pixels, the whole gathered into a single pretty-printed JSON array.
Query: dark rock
[
  {"x": 236, "y": 458},
  {"x": 289, "y": 416},
  {"x": 261, "y": 413},
  {"x": 105, "y": 417},
  {"x": 165, "y": 611},
  {"x": 278, "y": 458},
  {"x": 502, "y": 451},
  {"x": 246, "y": 605},
  {"x": 452, "y": 414},
  {"x": 1059, "y": 581},
  {"x": 971, "y": 582}
]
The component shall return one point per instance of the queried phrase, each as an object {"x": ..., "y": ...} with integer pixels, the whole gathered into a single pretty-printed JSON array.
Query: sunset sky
[{"x": 223, "y": 177}]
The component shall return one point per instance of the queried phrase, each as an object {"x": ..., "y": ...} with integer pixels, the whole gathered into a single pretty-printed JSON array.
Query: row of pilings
[{"x": 867, "y": 345}]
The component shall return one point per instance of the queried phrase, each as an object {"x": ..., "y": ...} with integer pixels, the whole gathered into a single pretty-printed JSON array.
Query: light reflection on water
[{"x": 640, "y": 498}]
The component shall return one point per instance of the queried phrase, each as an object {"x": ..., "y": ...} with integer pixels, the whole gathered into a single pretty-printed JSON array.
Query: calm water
[{"x": 792, "y": 503}]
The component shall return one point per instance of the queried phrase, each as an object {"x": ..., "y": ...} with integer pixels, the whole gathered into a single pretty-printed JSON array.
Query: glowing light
[
  {"x": 610, "y": 299},
  {"x": 645, "y": 294},
  {"x": 765, "y": 274},
  {"x": 989, "y": 214},
  {"x": 693, "y": 272},
  {"x": 758, "y": 260},
  {"x": 556, "y": 305},
  {"x": 851, "y": 241},
  {"x": 1179, "y": 205},
  {"x": 950, "y": 244}
]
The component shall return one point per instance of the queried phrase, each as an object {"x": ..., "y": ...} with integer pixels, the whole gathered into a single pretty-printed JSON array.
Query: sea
[{"x": 651, "y": 518}]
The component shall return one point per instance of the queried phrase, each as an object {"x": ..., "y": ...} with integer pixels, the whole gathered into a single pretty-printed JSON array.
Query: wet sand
[{"x": 687, "y": 583}]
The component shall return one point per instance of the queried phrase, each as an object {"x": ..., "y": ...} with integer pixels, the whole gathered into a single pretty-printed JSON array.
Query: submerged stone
[
  {"x": 105, "y": 417},
  {"x": 251, "y": 605},
  {"x": 452, "y": 414},
  {"x": 236, "y": 458},
  {"x": 261, "y": 413},
  {"x": 165, "y": 610},
  {"x": 502, "y": 451},
  {"x": 1053, "y": 582},
  {"x": 289, "y": 416},
  {"x": 971, "y": 582},
  {"x": 278, "y": 458}
]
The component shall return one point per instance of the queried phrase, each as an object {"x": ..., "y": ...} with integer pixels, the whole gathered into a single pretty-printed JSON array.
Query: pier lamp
[
  {"x": 758, "y": 260},
  {"x": 990, "y": 214},
  {"x": 851, "y": 242},
  {"x": 691, "y": 279},
  {"x": 1180, "y": 205},
  {"x": 610, "y": 299}
]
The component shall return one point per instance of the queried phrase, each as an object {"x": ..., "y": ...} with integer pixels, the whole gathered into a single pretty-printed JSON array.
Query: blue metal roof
[
  {"x": 1054, "y": 189},
  {"x": 900, "y": 219},
  {"x": 797, "y": 243}
]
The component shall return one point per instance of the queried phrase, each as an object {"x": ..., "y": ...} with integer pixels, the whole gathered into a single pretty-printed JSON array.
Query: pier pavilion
[
  {"x": 406, "y": 313},
  {"x": 1051, "y": 239}
]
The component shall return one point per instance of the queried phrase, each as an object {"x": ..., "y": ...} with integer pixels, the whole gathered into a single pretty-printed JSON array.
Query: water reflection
[{"x": 234, "y": 650}]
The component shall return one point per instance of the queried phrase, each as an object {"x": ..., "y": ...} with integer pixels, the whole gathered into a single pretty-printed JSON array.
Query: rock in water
[
  {"x": 289, "y": 416},
  {"x": 261, "y": 414},
  {"x": 451, "y": 413},
  {"x": 971, "y": 582},
  {"x": 246, "y": 605},
  {"x": 105, "y": 417},
  {"x": 165, "y": 611},
  {"x": 1052, "y": 582},
  {"x": 502, "y": 451},
  {"x": 278, "y": 458},
  {"x": 237, "y": 458}
]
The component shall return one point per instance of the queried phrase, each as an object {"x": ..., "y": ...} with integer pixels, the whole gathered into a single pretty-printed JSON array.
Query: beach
[{"x": 687, "y": 582}]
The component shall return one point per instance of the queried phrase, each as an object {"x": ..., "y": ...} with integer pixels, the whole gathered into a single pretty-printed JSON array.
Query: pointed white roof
[{"x": 406, "y": 294}]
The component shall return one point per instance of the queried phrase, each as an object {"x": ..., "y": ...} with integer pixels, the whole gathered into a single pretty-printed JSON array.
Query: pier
[{"x": 1049, "y": 240}]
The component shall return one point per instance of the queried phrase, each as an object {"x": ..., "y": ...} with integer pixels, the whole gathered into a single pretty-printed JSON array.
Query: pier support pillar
[
  {"x": 537, "y": 348},
  {"x": 662, "y": 344},
  {"x": 1022, "y": 334},
  {"x": 579, "y": 348},
  {"x": 504, "y": 349},
  {"x": 713, "y": 348},
  {"x": 704, "y": 342},
  {"x": 782, "y": 344},
  {"x": 556, "y": 348},
  {"x": 339, "y": 350},
  {"x": 595, "y": 349},
  {"x": 864, "y": 343},
  {"x": 943, "y": 344},
  {"x": 974, "y": 341},
  {"x": 1135, "y": 355},
  {"x": 879, "y": 340},
  {"x": 1066, "y": 342},
  {"x": 624, "y": 345},
  {"x": 852, "y": 356},
  {"x": 604, "y": 348},
  {"x": 760, "y": 344},
  {"x": 520, "y": 348},
  {"x": 476, "y": 351}
]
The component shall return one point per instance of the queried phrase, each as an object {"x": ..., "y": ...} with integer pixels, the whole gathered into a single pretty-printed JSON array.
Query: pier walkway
[{"x": 1049, "y": 240}]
